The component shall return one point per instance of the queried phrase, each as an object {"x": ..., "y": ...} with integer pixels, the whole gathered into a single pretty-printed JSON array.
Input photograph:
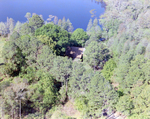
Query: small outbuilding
[{"x": 76, "y": 53}]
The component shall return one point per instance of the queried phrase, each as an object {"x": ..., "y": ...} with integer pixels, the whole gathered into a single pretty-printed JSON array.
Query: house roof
[{"x": 75, "y": 52}]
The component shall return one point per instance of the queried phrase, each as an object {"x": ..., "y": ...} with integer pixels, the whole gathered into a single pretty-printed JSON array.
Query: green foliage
[
  {"x": 126, "y": 27},
  {"x": 62, "y": 93},
  {"x": 95, "y": 54},
  {"x": 140, "y": 49},
  {"x": 54, "y": 79},
  {"x": 26, "y": 29},
  {"x": 108, "y": 69},
  {"x": 92, "y": 38},
  {"x": 58, "y": 35},
  {"x": 50, "y": 112},
  {"x": 11, "y": 26},
  {"x": 147, "y": 54},
  {"x": 19, "y": 53},
  {"x": 82, "y": 88},
  {"x": 79, "y": 37},
  {"x": 36, "y": 22},
  {"x": 123, "y": 65},
  {"x": 92, "y": 93},
  {"x": 135, "y": 72},
  {"x": 75, "y": 79},
  {"x": 35, "y": 116},
  {"x": 110, "y": 27},
  {"x": 138, "y": 116},
  {"x": 18, "y": 26},
  {"x": 62, "y": 67},
  {"x": 14, "y": 36},
  {"x": 81, "y": 103},
  {"x": 90, "y": 24},
  {"x": 132, "y": 75},
  {"x": 3, "y": 29},
  {"x": 55, "y": 20},
  {"x": 44, "y": 92},
  {"x": 29, "y": 73},
  {"x": 142, "y": 103},
  {"x": 66, "y": 25},
  {"x": 30, "y": 48},
  {"x": 101, "y": 95},
  {"x": 59, "y": 22},
  {"x": 95, "y": 22},
  {"x": 133, "y": 79},
  {"x": 28, "y": 15},
  {"x": 48, "y": 41},
  {"x": 4, "y": 84},
  {"x": 14, "y": 97},
  {"x": 125, "y": 105},
  {"x": 13, "y": 58},
  {"x": 45, "y": 59},
  {"x": 69, "y": 26},
  {"x": 95, "y": 31}
]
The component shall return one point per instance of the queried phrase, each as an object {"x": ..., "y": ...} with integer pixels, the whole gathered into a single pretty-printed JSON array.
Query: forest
[{"x": 38, "y": 80}]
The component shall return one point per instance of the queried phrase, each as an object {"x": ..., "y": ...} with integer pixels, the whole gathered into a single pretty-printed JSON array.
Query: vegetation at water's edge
[{"x": 38, "y": 81}]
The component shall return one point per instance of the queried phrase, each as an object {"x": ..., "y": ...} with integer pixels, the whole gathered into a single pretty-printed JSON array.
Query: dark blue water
[{"x": 76, "y": 10}]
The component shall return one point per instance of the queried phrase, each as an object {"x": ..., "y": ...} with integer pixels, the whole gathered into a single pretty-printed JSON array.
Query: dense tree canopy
[
  {"x": 44, "y": 93},
  {"x": 95, "y": 54},
  {"x": 101, "y": 95},
  {"x": 3, "y": 28},
  {"x": 55, "y": 34},
  {"x": 108, "y": 69},
  {"x": 94, "y": 29},
  {"x": 36, "y": 22},
  {"x": 36, "y": 80},
  {"x": 26, "y": 29},
  {"x": 79, "y": 37}
]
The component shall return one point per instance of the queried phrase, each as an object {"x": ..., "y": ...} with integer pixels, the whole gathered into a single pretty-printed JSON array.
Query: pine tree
[
  {"x": 60, "y": 22},
  {"x": 90, "y": 24},
  {"x": 36, "y": 22},
  {"x": 8, "y": 22},
  {"x": 63, "y": 20},
  {"x": 108, "y": 69},
  {"x": 3, "y": 29},
  {"x": 26, "y": 29},
  {"x": 18, "y": 26},
  {"x": 75, "y": 79},
  {"x": 11, "y": 27},
  {"x": 44, "y": 93},
  {"x": 64, "y": 24},
  {"x": 95, "y": 22},
  {"x": 70, "y": 27},
  {"x": 55, "y": 20},
  {"x": 62, "y": 68},
  {"x": 95, "y": 54},
  {"x": 100, "y": 96},
  {"x": 28, "y": 16},
  {"x": 41, "y": 17}
]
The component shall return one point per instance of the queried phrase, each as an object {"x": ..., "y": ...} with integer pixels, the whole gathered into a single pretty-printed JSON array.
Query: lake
[{"x": 78, "y": 11}]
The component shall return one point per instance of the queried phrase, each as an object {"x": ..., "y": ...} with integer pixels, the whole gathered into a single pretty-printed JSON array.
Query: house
[{"x": 76, "y": 53}]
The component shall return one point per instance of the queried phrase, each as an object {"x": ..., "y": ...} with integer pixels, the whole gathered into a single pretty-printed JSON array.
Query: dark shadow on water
[{"x": 100, "y": 2}]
